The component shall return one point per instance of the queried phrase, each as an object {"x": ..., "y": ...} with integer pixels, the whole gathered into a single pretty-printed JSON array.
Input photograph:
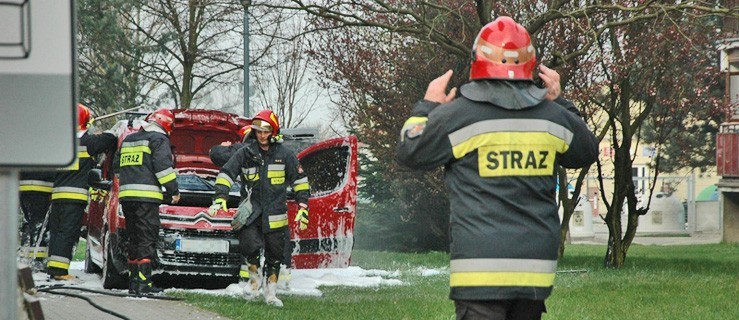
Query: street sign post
[{"x": 37, "y": 111}]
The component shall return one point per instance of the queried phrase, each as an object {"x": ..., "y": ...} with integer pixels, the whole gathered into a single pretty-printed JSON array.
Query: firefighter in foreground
[
  {"x": 219, "y": 155},
  {"x": 70, "y": 195},
  {"x": 35, "y": 198},
  {"x": 145, "y": 165},
  {"x": 500, "y": 143},
  {"x": 266, "y": 168}
]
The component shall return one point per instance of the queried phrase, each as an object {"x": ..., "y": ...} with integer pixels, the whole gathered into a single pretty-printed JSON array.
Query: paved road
[{"x": 58, "y": 307}]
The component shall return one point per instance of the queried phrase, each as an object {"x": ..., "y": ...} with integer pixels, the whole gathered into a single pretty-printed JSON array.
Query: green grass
[{"x": 658, "y": 282}]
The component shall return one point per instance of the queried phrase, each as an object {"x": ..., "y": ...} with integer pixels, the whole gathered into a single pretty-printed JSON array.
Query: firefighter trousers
[
  {"x": 252, "y": 239},
  {"x": 34, "y": 206},
  {"x": 65, "y": 222},
  {"x": 142, "y": 226}
]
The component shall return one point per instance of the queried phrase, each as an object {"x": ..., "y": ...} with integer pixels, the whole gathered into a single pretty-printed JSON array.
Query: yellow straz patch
[
  {"x": 132, "y": 159},
  {"x": 278, "y": 180},
  {"x": 519, "y": 160}
]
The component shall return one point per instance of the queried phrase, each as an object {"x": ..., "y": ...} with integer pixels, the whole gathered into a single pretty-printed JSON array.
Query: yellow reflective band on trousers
[
  {"x": 140, "y": 194},
  {"x": 57, "y": 264},
  {"x": 35, "y": 188},
  {"x": 68, "y": 195},
  {"x": 277, "y": 221},
  {"x": 501, "y": 279},
  {"x": 244, "y": 274}
]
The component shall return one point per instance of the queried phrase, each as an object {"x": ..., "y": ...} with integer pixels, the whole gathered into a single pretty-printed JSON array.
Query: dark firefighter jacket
[
  {"x": 500, "y": 143},
  {"x": 36, "y": 181},
  {"x": 219, "y": 154},
  {"x": 144, "y": 163},
  {"x": 267, "y": 174},
  {"x": 70, "y": 184}
]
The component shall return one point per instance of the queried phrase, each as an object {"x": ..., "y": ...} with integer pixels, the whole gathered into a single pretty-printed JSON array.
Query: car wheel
[
  {"x": 112, "y": 277},
  {"x": 90, "y": 266}
]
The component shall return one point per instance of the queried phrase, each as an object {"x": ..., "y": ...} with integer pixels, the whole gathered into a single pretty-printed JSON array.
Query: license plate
[{"x": 196, "y": 245}]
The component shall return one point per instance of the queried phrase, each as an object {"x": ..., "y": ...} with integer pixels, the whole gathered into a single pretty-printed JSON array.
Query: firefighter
[
  {"x": 219, "y": 155},
  {"x": 35, "y": 198},
  {"x": 500, "y": 143},
  {"x": 266, "y": 169},
  {"x": 69, "y": 196},
  {"x": 144, "y": 164}
]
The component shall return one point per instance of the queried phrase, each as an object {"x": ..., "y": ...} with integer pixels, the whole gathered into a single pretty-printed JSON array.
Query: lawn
[{"x": 658, "y": 282}]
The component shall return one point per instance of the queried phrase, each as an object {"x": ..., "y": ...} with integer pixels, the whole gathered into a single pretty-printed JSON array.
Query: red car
[{"x": 194, "y": 243}]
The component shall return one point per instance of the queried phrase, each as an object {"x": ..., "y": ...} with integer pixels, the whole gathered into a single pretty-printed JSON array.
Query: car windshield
[{"x": 192, "y": 182}]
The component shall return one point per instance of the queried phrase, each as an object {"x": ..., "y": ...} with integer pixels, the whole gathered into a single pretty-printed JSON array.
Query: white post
[
  {"x": 692, "y": 219},
  {"x": 8, "y": 244}
]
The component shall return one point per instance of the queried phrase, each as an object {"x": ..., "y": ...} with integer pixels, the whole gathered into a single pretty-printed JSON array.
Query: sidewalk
[
  {"x": 69, "y": 308},
  {"x": 61, "y": 307},
  {"x": 661, "y": 240}
]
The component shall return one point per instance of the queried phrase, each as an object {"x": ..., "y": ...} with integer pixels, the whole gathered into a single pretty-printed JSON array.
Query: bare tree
[
  {"x": 194, "y": 46},
  {"x": 284, "y": 81}
]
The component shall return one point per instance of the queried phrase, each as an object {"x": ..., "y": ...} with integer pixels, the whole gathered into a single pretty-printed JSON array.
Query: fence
[{"x": 679, "y": 205}]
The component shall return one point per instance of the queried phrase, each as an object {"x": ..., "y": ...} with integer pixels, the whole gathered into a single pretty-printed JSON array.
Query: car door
[{"x": 332, "y": 169}]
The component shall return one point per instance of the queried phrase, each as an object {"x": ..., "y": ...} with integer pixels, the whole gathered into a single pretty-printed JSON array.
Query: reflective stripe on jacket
[
  {"x": 145, "y": 166},
  {"x": 70, "y": 184}
]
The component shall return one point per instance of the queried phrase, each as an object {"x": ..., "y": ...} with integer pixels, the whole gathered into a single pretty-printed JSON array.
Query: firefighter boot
[
  {"x": 133, "y": 271},
  {"x": 143, "y": 284},
  {"x": 270, "y": 292},
  {"x": 251, "y": 291}
]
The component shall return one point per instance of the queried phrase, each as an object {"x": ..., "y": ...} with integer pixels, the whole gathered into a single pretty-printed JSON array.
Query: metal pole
[
  {"x": 8, "y": 244},
  {"x": 246, "y": 59}
]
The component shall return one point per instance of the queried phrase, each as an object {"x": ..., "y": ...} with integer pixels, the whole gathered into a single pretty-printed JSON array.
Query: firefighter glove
[
  {"x": 218, "y": 205},
  {"x": 242, "y": 214},
  {"x": 302, "y": 217}
]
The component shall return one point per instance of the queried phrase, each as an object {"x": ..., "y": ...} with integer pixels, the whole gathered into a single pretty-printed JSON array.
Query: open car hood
[{"x": 196, "y": 131}]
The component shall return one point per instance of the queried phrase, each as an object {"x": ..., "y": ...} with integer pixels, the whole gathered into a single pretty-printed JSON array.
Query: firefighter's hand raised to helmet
[
  {"x": 436, "y": 91},
  {"x": 551, "y": 82},
  {"x": 175, "y": 198}
]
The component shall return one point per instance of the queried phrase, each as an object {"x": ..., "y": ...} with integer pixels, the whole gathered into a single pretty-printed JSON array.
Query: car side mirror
[{"x": 95, "y": 180}]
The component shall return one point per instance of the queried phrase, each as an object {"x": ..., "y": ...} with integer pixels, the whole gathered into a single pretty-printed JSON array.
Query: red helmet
[
  {"x": 503, "y": 50},
  {"x": 163, "y": 117},
  {"x": 243, "y": 132},
  {"x": 266, "y": 120},
  {"x": 83, "y": 117}
]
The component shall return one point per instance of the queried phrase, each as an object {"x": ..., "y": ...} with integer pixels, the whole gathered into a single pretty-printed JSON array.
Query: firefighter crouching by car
[
  {"x": 70, "y": 195},
  {"x": 35, "y": 198},
  {"x": 266, "y": 168},
  {"x": 144, "y": 164}
]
